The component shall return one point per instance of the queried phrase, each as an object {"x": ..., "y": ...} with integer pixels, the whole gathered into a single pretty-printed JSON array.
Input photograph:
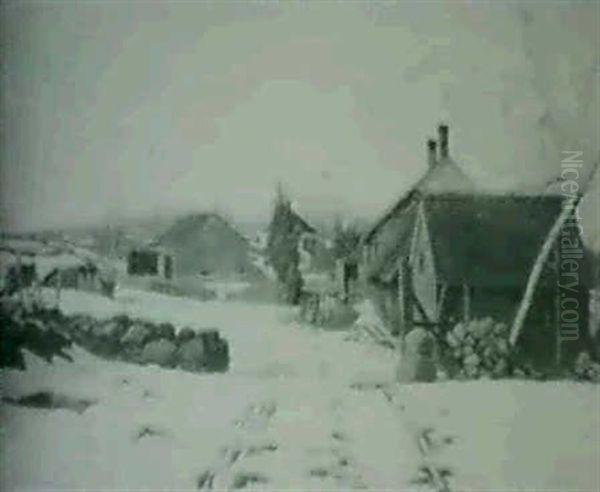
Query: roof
[
  {"x": 301, "y": 223},
  {"x": 385, "y": 266},
  {"x": 445, "y": 177},
  {"x": 489, "y": 240},
  {"x": 190, "y": 225}
]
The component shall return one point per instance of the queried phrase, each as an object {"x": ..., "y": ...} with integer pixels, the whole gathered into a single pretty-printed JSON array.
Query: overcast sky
[{"x": 113, "y": 109}]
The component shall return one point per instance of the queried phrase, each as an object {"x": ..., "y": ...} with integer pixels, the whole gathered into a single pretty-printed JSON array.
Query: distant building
[
  {"x": 26, "y": 263},
  {"x": 207, "y": 244}
]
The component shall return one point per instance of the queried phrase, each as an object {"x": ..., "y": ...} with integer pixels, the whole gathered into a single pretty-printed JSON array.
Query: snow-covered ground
[{"x": 299, "y": 409}]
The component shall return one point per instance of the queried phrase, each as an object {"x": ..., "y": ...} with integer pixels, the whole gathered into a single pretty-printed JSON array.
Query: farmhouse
[{"x": 445, "y": 253}]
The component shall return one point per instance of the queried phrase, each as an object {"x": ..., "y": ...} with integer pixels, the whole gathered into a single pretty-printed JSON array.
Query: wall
[{"x": 423, "y": 268}]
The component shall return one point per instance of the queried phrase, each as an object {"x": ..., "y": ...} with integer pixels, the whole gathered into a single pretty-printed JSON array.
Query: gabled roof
[
  {"x": 385, "y": 267},
  {"x": 189, "y": 226},
  {"x": 445, "y": 177},
  {"x": 489, "y": 240},
  {"x": 301, "y": 223}
]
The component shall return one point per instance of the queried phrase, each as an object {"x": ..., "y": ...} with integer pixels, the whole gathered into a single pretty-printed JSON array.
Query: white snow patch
[{"x": 299, "y": 409}]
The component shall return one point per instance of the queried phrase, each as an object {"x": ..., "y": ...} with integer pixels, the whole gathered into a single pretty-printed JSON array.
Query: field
[{"x": 299, "y": 409}]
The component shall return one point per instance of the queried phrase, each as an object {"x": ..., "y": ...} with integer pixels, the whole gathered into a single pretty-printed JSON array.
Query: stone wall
[{"x": 48, "y": 332}]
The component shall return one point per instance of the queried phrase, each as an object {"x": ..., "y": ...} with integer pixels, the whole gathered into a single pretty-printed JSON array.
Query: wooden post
[
  {"x": 467, "y": 303},
  {"x": 408, "y": 317},
  {"x": 558, "y": 353},
  {"x": 568, "y": 209},
  {"x": 440, "y": 301}
]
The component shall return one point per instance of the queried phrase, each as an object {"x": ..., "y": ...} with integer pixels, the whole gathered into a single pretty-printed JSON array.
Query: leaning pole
[{"x": 534, "y": 276}]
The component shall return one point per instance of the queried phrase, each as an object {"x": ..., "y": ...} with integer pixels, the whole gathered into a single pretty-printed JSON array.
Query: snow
[
  {"x": 319, "y": 282},
  {"x": 513, "y": 435},
  {"x": 259, "y": 261},
  {"x": 44, "y": 265},
  {"x": 225, "y": 288},
  {"x": 299, "y": 409}
]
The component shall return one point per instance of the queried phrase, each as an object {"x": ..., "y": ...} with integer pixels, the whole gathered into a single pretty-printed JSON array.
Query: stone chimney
[
  {"x": 431, "y": 153},
  {"x": 443, "y": 138}
]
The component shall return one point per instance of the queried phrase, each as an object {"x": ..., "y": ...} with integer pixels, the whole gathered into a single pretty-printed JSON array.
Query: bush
[{"x": 24, "y": 330}]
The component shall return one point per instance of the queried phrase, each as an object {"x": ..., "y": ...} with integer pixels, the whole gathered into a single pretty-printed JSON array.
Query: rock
[
  {"x": 185, "y": 334},
  {"x": 161, "y": 352},
  {"x": 500, "y": 329},
  {"x": 459, "y": 331},
  {"x": 210, "y": 338},
  {"x": 165, "y": 330},
  {"x": 216, "y": 350},
  {"x": 472, "y": 360},
  {"x": 500, "y": 368},
  {"x": 503, "y": 346},
  {"x": 451, "y": 339},
  {"x": 417, "y": 363},
  {"x": 105, "y": 329},
  {"x": 136, "y": 335},
  {"x": 123, "y": 319},
  {"x": 218, "y": 358},
  {"x": 191, "y": 355},
  {"x": 471, "y": 371}
]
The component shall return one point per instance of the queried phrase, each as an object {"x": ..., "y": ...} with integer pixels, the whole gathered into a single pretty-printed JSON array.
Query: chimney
[
  {"x": 443, "y": 138},
  {"x": 431, "y": 154}
]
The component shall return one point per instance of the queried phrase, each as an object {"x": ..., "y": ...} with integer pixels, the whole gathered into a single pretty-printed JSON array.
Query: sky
[{"x": 120, "y": 109}]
